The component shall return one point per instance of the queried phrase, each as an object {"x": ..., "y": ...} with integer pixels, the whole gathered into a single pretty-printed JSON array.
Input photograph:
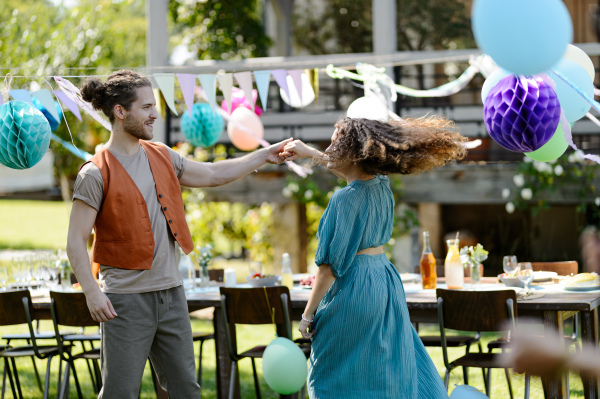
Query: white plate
[
  {"x": 543, "y": 276},
  {"x": 410, "y": 277},
  {"x": 582, "y": 288}
]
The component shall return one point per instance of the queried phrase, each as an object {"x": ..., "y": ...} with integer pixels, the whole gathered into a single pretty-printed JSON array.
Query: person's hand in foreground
[{"x": 297, "y": 150}]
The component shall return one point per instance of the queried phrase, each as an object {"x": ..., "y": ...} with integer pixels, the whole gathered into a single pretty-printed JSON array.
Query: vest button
[
  {"x": 159, "y": 195},
  {"x": 170, "y": 221},
  {"x": 175, "y": 234},
  {"x": 165, "y": 208}
]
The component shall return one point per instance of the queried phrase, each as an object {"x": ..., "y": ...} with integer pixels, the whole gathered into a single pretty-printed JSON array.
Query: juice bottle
[
  {"x": 453, "y": 267},
  {"x": 428, "y": 271},
  {"x": 286, "y": 271}
]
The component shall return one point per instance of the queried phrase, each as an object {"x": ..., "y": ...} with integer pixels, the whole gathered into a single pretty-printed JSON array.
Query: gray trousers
[{"x": 152, "y": 324}]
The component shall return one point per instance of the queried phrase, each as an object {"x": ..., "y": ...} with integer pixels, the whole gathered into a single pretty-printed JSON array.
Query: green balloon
[
  {"x": 284, "y": 366},
  {"x": 553, "y": 149}
]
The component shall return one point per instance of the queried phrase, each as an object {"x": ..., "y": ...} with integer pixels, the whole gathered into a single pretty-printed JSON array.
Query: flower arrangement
[
  {"x": 202, "y": 255},
  {"x": 472, "y": 257}
]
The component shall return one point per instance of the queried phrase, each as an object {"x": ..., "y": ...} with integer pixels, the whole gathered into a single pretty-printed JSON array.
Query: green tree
[{"x": 220, "y": 30}]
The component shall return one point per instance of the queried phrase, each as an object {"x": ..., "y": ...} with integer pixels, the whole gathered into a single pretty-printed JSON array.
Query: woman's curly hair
[
  {"x": 119, "y": 88},
  {"x": 404, "y": 146}
]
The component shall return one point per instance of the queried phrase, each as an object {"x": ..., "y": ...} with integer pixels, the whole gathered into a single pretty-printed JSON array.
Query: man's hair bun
[{"x": 92, "y": 91}]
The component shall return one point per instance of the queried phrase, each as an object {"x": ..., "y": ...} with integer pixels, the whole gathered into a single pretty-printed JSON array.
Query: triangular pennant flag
[
  {"x": 210, "y": 88},
  {"x": 226, "y": 83},
  {"x": 244, "y": 79},
  {"x": 160, "y": 104},
  {"x": 187, "y": 82},
  {"x": 166, "y": 84},
  {"x": 296, "y": 75},
  {"x": 71, "y": 105},
  {"x": 280, "y": 76},
  {"x": 262, "y": 84},
  {"x": 74, "y": 94},
  {"x": 21, "y": 95},
  {"x": 313, "y": 78},
  {"x": 47, "y": 99}
]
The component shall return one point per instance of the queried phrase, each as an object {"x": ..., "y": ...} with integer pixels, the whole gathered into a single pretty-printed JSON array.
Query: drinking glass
[
  {"x": 17, "y": 262},
  {"x": 3, "y": 277},
  {"x": 509, "y": 264},
  {"x": 525, "y": 274}
]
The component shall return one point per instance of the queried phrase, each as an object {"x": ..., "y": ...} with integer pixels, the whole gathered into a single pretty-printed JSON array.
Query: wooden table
[{"x": 552, "y": 310}]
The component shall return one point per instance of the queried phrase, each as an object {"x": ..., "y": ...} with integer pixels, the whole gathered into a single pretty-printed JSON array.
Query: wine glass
[
  {"x": 3, "y": 277},
  {"x": 525, "y": 274},
  {"x": 17, "y": 264},
  {"x": 509, "y": 264}
]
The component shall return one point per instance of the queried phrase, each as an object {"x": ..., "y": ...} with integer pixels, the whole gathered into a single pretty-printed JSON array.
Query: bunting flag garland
[
  {"x": 47, "y": 99},
  {"x": 73, "y": 93},
  {"x": 72, "y": 106},
  {"x": 226, "y": 83},
  {"x": 21, "y": 95},
  {"x": 263, "y": 79},
  {"x": 313, "y": 78},
  {"x": 280, "y": 76},
  {"x": 296, "y": 75},
  {"x": 160, "y": 103},
  {"x": 166, "y": 84},
  {"x": 187, "y": 82},
  {"x": 208, "y": 83},
  {"x": 244, "y": 79}
]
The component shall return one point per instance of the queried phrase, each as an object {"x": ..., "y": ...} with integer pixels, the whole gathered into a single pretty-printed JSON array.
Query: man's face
[{"x": 140, "y": 117}]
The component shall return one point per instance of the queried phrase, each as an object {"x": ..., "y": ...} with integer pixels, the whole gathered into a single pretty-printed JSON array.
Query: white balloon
[
  {"x": 576, "y": 54},
  {"x": 308, "y": 95},
  {"x": 368, "y": 108}
]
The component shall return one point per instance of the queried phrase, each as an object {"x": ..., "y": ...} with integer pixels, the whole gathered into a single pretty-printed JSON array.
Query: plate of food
[
  {"x": 510, "y": 280},
  {"x": 540, "y": 276},
  {"x": 410, "y": 278},
  {"x": 262, "y": 280},
  {"x": 582, "y": 282},
  {"x": 307, "y": 282}
]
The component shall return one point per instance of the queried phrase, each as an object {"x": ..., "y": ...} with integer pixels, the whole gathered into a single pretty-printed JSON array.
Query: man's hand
[
  {"x": 275, "y": 152},
  {"x": 100, "y": 307}
]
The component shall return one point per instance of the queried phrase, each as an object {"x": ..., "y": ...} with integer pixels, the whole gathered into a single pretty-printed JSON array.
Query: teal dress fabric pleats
[{"x": 364, "y": 345}]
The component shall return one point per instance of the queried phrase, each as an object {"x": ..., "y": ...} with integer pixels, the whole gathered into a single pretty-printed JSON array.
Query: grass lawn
[{"x": 34, "y": 224}]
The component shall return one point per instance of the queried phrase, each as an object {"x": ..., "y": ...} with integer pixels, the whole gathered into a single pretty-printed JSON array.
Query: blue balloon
[
  {"x": 572, "y": 103},
  {"x": 492, "y": 81},
  {"x": 53, "y": 122},
  {"x": 204, "y": 127},
  {"x": 24, "y": 135},
  {"x": 522, "y": 36}
]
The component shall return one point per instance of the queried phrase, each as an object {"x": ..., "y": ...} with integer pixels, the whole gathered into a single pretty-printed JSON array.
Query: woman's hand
[
  {"x": 297, "y": 149},
  {"x": 306, "y": 327}
]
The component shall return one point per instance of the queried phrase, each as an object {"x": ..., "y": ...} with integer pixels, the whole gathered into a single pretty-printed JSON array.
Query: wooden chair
[
  {"x": 476, "y": 311},
  {"x": 15, "y": 308},
  {"x": 70, "y": 309},
  {"x": 254, "y": 306}
]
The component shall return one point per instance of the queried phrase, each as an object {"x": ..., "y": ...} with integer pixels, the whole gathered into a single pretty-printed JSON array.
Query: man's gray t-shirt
[{"x": 164, "y": 273}]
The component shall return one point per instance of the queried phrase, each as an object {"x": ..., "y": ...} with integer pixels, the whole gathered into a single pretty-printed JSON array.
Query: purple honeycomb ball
[{"x": 521, "y": 113}]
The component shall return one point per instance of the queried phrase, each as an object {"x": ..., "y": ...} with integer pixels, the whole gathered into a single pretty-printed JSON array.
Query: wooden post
[
  {"x": 430, "y": 218},
  {"x": 289, "y": 235}
]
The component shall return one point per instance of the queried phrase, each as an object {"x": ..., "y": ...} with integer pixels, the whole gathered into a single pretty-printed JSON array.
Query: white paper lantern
[{"x": 368, "y": 108}]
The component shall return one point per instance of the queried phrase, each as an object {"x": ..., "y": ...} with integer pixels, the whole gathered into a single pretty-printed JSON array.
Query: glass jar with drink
[
  {"x": 453, "y": 268},
  {"x": 427, "y": 264}
]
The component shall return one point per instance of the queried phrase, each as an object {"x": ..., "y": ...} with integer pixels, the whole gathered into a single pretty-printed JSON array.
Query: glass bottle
[
  {"x": 453, "y": 267},
  {"x": 286, "y": 271},
  {"x": 427, "y": 264}
]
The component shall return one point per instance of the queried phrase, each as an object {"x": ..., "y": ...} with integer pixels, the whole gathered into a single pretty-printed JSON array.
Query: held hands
[
  {"x": 100, "y": 307},
  {"x": 305, "y": 328},
  {"x": 276, "y": 153},
  {"x": 297, "y": 149}
]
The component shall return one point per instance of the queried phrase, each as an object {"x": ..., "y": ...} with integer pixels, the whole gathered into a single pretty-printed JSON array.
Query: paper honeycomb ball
[
  {"x": 204, "y": 127},
  {"x": 24, "y": 135},
  {"x": 53, "y": 122},
  {"x": 521, "y": 114}
]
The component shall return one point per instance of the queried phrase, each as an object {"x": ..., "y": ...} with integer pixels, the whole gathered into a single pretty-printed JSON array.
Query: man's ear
[{"x": 119, "y": 111}]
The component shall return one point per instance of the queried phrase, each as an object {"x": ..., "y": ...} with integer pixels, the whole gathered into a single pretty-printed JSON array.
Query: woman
[{"x": 363, "y": 344}]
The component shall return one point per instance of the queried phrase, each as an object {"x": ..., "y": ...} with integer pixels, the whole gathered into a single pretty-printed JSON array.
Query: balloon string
[
  {"x": 7, "y": 83},
  {"x": 271, "y": 310}
]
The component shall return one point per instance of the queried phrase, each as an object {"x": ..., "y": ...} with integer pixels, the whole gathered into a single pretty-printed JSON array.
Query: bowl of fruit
[
  {"x": 511, "y": 280},
  {"x": 307, "y": 282},
  {"x": 262, "y": 280}
]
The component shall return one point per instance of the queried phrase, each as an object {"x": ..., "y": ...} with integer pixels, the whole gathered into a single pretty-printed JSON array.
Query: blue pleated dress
[{"x": 364, "y": 345}]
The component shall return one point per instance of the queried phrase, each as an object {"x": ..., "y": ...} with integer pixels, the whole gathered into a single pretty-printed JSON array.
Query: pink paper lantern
[
  {"x": 238, "y": 99},
  {"x": 243, "y": 119}
]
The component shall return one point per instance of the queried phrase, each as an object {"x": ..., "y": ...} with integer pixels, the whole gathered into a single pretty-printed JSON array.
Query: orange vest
[{"x": 123, "y": 231}]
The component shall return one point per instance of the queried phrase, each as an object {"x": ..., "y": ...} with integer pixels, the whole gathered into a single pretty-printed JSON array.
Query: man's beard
[{"x": 136, "y": 128}]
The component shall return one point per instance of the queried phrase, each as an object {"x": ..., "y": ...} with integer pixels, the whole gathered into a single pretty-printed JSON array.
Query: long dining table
[{"x": 551, "y": 309}]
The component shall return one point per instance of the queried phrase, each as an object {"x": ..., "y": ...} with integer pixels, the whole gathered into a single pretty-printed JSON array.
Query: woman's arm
[
  {"x": 298, "y": 150},
  {"x": 323, "y": 280}
]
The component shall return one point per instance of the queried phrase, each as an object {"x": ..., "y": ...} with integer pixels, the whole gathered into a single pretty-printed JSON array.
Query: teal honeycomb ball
[
  {"x": 204, "y": 127},
  {"x": 24, "y": 135}
]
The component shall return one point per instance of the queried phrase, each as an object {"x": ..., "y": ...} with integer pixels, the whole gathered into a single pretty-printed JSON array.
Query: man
[{"x": 130, "y": 194}]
